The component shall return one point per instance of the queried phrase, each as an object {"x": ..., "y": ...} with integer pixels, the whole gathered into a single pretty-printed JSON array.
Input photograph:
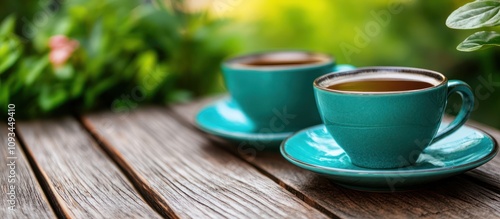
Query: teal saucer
[
  {"x": 314, "y": 149},
  {"x": 225, "y": 119}
]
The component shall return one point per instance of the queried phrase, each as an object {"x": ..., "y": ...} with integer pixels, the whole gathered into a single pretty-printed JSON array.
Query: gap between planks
[
  {"x": 227, "y": 146},
  {"x": 41, "y": 177},
  {"x": 141, "y": 185},
  {"x": 30, "y": 199},
  {"x": 230, "y": 148},
  {"x": 74, "y": 183},
  {"x": 120, "y": 144}
]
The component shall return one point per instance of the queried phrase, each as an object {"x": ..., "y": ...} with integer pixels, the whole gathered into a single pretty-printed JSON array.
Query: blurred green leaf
[
  {"x": 34, "y": 69},
  {"x": 146, "y": 62},
  {"x": 154, "y": 80},
  {"x": 7, "y": 26},
  {"x": 65, "y": 72},
  {"x": 51, "y": 97},
  {"x": 477, "y": 14},
  {"x": 95, "y": 40},
  {"x": 179, "y": 96},
  {"x": 79, "y": 12},
  {"x": 92, "y": 94},
  {"x": 102, "y": 86},
  {"x": 4, "y": 93},
  {"x": 480, "y": 40},
  {"x": 78, "y": 85},
  {"x": 62, "y": 26},
  {"x": 14, "y": 83},
  {"x": 6, "y": 62},
  {"x": 132, "y": 43}
]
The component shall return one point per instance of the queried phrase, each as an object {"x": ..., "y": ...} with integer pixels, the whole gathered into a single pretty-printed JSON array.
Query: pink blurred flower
[{"x": 61, "y": 49}]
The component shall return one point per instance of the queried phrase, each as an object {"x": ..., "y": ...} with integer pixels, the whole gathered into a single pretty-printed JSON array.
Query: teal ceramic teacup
[
  {"x": 274, "y": 90},
  {"x": 383, "y": 117}
]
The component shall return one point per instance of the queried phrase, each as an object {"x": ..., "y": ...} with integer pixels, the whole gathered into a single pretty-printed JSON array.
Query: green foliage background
[
  {"x": 169, "y": 52},
  {"x": 130, "y": 52},
  {"x": 415, "y": 37}
]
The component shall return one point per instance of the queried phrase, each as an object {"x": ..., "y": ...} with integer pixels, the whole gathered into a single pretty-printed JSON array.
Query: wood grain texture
[
  {"x": 82, "y": 181},
  {"x": 487, "y": 175},
  {"x": 193, "y": 177},
  {"x": 29, "y": 199},
  {"x": 474, "y": 194}
]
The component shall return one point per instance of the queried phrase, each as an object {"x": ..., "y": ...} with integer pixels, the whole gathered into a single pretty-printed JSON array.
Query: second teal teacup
[
  {"x": 383, "y": 117},
  {"x": 274, "y": 90}
]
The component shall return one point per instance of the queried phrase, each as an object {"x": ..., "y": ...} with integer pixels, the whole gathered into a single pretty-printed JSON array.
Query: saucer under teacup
[
  {"x": 314, "y": 149},
  {"x": 224, "y": 118}
]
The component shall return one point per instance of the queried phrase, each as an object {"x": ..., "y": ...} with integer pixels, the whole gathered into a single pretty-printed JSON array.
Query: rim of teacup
[
  {"x": 440, "y": 79},
  {"x": 238, "y": 61}
]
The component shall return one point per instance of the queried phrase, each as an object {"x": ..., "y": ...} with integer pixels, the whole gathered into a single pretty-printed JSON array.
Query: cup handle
[
  {"x": 343, "y": 67},
  {"x": 465, "y": 92}
]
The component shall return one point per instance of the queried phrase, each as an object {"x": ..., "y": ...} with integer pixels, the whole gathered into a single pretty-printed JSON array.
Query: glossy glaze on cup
[
  {"x": 388, "y": 129},
  {"x": 276, "y": 98}
]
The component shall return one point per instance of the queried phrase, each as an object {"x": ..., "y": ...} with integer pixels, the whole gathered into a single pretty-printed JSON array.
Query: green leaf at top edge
[
  {"x": 480, "y": 40},
  {"x": 477, "y": 14}
]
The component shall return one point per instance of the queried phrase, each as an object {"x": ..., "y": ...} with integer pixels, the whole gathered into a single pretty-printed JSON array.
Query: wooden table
[{"x": 153, "y": 163}]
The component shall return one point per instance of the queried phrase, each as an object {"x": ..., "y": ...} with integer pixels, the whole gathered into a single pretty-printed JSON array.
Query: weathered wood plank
[
  {"x": 27, "y": 200},
  {"x": 195, "y": 178},
  {"x": 457, "y": 197},
  {"x": 489, "y": 174},
  {"x": 82, "y": 181}
]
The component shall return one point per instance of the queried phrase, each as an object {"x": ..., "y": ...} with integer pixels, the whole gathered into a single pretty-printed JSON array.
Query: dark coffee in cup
[
  {"x": 274, "y": 62},
  {"x": 284, "y": 59},
  {"x": 380, "y": 85}
]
